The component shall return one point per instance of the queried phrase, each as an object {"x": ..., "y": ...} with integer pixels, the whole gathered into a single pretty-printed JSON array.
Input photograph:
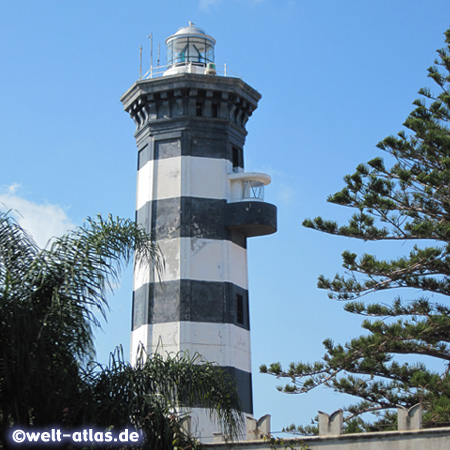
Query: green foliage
[
  {"x": 49, "y": 302},
  {"x": 155, "y": 397},
  {"x": 280, "y": 443},
  {"x": 408, "y": 199}
]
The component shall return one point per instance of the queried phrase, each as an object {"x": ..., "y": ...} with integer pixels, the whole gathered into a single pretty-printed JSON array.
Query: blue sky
[{"x": 336, "y": 77}]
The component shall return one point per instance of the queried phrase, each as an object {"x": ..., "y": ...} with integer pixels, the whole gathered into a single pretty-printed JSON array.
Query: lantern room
[{"x": 190, "y": 49}]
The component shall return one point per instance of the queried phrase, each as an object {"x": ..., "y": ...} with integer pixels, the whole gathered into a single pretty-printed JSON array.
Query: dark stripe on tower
[
  {"x": 173, "y": 218},
  {"x": 201, "y": 301},
  {"x": 244, "y": 389},
  {"x": 189, "y": 145}
]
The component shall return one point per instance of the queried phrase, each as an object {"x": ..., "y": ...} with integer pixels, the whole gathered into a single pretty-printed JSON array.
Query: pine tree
[{"x": 405, "y": 199}]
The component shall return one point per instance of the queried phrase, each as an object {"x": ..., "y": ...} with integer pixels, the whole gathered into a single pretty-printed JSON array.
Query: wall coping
[{"x": 339, "y": 439}]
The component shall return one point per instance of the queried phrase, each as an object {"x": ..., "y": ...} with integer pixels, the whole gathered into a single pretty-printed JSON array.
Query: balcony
[{"x": 246, "y": 211}]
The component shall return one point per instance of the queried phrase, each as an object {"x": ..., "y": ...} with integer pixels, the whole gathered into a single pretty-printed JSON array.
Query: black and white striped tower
[{"x": 194, "y": 196}]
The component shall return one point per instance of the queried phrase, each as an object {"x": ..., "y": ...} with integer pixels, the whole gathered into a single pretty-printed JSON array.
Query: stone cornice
[{"x": 190, "y": 95}]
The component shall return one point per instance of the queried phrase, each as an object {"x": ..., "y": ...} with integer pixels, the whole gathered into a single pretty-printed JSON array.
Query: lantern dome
[{"x": 190, "y": 49}]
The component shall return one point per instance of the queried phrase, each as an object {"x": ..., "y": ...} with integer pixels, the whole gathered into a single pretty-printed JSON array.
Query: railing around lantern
[{"x": 211, "y": 69}]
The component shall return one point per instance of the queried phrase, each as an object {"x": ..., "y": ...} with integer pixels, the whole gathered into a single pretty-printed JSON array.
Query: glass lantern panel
[
  {"x": 209, "y": 53},
  {"x": 254, "y": 189},
  {"x": 190, "y": 49},
  {"x": 197, "y": 50},
  {"x": 180, "y": 48},
  {"x": 195, "y": 54}
]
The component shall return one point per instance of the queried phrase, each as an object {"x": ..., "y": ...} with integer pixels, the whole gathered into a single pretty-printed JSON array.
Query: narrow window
[
  {"x": 199, "y": 109},
  {"x": 215, "y": 110},
  {"x": 238, "y": 160},
  {"x": 235, "y": 157},
  {"x": 240, "y": 309}
]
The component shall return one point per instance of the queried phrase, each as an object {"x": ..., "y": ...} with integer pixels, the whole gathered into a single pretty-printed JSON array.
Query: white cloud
[
  {"x": 42, "y": 221},
  {"x": 13, "y": 188},
  {"x": 207, "y": 4},
  {"x": 286, "y": 194}
]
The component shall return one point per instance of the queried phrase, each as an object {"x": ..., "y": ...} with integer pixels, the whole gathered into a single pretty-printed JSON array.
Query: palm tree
[
  {"x": 49, "y": 302},
  {"x": 119, "y": 394}
]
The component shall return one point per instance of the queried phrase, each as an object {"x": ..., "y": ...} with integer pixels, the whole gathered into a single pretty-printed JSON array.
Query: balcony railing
[{"x": 189, "y": 67}]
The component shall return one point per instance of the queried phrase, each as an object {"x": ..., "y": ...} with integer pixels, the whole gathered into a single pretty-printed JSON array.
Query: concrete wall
[{"x": 430, "y": 439}]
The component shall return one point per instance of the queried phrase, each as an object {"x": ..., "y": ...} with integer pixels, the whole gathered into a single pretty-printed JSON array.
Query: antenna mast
[
  {"x": 140, "y": 62},
  {"x": 150, "y": 36}
]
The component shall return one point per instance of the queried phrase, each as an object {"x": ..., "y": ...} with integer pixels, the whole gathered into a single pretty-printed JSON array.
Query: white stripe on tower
[
  {"x": 206, "y": 262},
  {"x": 174, "y": 177}
]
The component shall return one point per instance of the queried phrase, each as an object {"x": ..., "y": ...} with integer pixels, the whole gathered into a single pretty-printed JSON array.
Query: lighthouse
[{"x": 200, "y": 205}]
